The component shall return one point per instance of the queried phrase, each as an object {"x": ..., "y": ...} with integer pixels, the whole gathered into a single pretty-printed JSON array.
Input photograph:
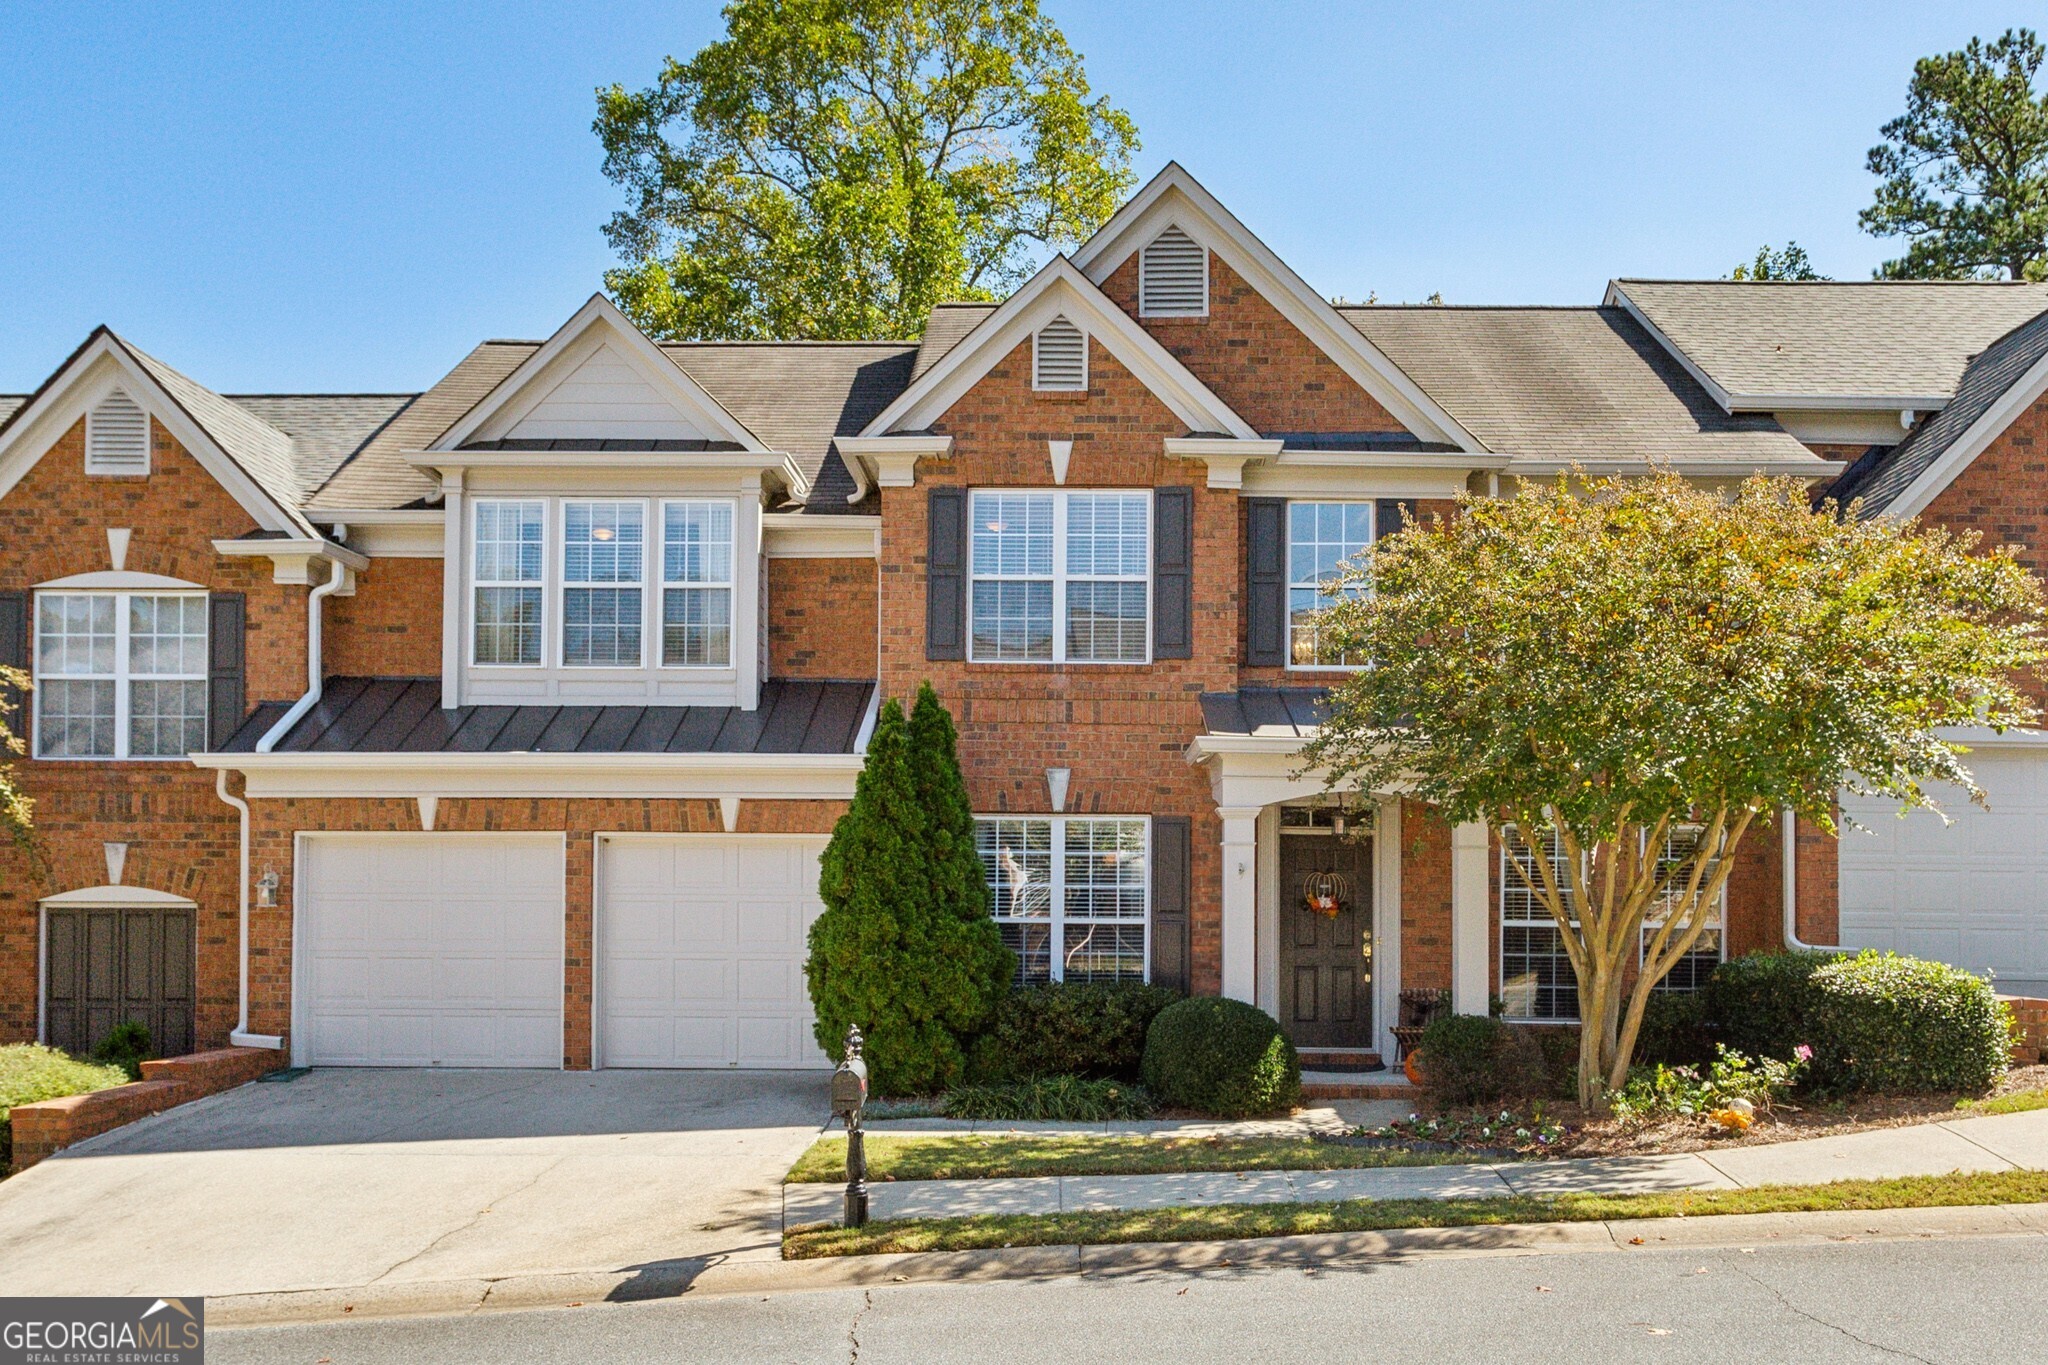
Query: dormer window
[
  {"x": 117, "y": 437},
  {"x": 1173, "y": 277},
  {"x": 1059, "y": 358}
]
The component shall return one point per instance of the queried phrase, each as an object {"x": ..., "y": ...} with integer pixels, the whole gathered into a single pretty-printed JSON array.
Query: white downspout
[
  {"x": 241, "y": 1037},
  {"x": 313, "y": 670},
  {"x": 1790, "y": 877}
]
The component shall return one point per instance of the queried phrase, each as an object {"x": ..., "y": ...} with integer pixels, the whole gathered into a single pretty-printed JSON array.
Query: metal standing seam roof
[
  {"x": 1279, "y": 711},
  {"x": 1568, "y": 384},
  {"x": 1887, "y": 473},
  {"x": 1871, "y": 340},
  {"x": 405, "y": 715}
]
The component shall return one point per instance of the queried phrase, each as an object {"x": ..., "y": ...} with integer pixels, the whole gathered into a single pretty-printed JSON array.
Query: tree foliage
[
  {"x": 905, "y": 947},
  {"x": 1788, "y": 262},
  {"x": 1965, "y": 168},
  {"x": 833, "y": 168},
  {"x": 1621, "y": 661},
  {"x": 17, "y": 808}
]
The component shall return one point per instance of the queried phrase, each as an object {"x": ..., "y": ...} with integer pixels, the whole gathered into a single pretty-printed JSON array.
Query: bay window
[
  {"x": 604, "y": 561},
  {"x": 1323, "y": 538},
  {"x": 1072, "y": 895},
  {"x": 696, "y": 576},
  {"x": 1060, "y": 577},
  {"x": 120, "y": 675},
  {"x": 509, "y": 561}
]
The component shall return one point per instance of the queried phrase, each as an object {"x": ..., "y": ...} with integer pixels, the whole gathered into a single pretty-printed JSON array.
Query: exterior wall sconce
[{"x": 266, "y": 889}]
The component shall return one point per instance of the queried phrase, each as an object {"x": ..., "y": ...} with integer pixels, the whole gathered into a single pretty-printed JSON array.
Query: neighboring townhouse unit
[{"x": 503, "y": 723}]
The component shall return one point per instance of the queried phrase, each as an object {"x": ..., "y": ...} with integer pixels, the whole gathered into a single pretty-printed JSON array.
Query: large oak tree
[{"x": 1605, "y": 665}]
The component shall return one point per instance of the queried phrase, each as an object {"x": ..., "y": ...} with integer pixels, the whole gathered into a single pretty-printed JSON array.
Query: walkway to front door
[{"x": 1325, "y": 958}]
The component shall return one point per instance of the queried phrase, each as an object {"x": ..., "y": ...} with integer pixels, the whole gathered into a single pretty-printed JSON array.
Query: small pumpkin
[{"x": 1412, "y": 1067}]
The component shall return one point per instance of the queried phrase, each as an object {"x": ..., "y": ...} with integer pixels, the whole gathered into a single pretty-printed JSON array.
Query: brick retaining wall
[{"x": 51, "y": 1125}]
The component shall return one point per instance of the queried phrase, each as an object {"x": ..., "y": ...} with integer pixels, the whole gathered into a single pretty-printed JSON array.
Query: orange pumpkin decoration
[{"x": 1412, "y": 1068}]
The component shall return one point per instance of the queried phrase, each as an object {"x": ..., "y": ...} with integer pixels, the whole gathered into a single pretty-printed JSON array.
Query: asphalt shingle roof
[
  {"x": 377, "y": 476},
  {"x": 1882, "y": 477},
  {"x": 946, "y": 328},
  {"x": 1567, "y": 384},
  {"x": 1870, "y": 340}
]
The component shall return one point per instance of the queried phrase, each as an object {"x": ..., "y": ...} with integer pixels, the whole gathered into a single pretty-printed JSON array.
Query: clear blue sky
[{"x": 287, "y": 196}]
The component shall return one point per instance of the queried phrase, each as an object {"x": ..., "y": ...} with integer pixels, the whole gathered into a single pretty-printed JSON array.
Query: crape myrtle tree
[
  {"x": 1611, "y": 663},
  {"x": 906, "y": 947},
  {"x": 17, "y": 810}
]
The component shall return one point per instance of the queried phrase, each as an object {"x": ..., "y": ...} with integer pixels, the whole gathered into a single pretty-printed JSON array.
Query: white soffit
[{"x": 1176, "y": 198}]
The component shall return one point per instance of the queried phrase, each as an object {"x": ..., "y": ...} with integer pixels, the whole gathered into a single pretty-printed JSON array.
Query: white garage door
[
  {"x": 1974, "y": 893},
  {"x": 429, "y": 950},
  {"x": 701, "y": 943}
]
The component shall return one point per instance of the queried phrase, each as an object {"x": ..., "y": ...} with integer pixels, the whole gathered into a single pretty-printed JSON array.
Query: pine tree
[{"x": 905, "y": 947}]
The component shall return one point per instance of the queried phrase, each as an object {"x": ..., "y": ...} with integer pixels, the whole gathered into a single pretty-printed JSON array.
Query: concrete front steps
[{"x": 1354, "y": 1085}]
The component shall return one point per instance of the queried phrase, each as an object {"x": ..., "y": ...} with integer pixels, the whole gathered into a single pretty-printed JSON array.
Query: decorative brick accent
[
  {"x": 181, "y": 837},
  {"x": 51, "y": 1125},
  {"x": 821, "y": 618}
]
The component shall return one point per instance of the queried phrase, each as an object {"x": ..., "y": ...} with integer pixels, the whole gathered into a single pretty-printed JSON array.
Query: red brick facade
[
  {"x": 821, "y": 618},
  {"x": 390, "y": 627}
]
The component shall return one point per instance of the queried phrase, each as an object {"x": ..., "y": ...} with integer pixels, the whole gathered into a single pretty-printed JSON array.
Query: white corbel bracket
[
  {"x": 1226, "y": 456},
  {"x": 889, "y": 461},
  {"x": 300, "y": 561}
]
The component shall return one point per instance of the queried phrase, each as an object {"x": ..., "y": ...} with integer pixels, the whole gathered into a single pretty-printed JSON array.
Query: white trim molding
[
  {"x": 1226, "y": 457},
  {"x": 117, "y": 898},
  {"x": 1972, "y": 443},
  {"x": 760, "y": 777},
  {"x": 801, "y": 535},
  {"x": 889, "y": 461},
  {"x": 298, "y": 561}
]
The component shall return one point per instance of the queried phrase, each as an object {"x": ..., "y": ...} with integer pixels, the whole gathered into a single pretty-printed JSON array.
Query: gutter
[
  {"x": 1789, "y": 876},
  {"x": 315, "y": 677},
  {"x": 241, "y": 1037}
]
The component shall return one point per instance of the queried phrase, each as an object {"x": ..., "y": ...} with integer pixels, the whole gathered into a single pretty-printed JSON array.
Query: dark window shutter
[
  {"x": 1172, "y": 848},
  {"x": 227, "y": 687},
  {"x": 945, "y": 575},
  {"x": 1173, "y": 577},
  {"x": 1387, "y": 516},
  {"x": 14, "y": 653},
  {"x": 1265, "y": 581}
]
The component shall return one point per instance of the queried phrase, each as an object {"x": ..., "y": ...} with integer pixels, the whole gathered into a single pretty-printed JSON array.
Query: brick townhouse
[{"x": 503, "y": 723}]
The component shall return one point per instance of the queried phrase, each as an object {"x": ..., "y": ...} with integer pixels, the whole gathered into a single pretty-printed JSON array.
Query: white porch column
[
  {"x": 1240, "y": 901},
  {"x": 1471, "y": 944}
]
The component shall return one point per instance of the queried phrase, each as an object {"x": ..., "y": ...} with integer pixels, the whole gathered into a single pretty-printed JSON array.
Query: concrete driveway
[{"x": 349, "y": 1178}]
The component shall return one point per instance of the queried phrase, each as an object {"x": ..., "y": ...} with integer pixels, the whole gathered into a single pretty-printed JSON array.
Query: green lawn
[
  {"x": 1228, "y": 1221},
  {"x": 2017, "y": 1103},
  {"x": 979, "y": 1156}
]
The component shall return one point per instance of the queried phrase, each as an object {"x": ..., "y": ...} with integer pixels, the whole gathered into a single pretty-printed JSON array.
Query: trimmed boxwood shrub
[
  {"x": 1761, "y": 1003},
  {"x": 1474, "y": 1059},
  {"x": 1090, "y": 1029},
  {"x": 1221, "y": 1057},
  {"x": 1882, "y": 1022}
]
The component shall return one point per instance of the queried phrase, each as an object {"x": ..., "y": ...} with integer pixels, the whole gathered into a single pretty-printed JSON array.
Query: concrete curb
[{"x": 1318, "y": 1252}]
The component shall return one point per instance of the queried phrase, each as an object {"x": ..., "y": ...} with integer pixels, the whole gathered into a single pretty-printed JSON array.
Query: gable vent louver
[
  {"x": 117, "y": 437},
  {"x": 1173, "y": 277},
  {"x": 1060, "y": 357}
]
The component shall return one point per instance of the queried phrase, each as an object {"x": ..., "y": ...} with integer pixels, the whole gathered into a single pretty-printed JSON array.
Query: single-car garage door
[
  {"x": 701, "y": 943},
  {"x": 429, "y": 950},
  {"x": 1974, "y": 893}
]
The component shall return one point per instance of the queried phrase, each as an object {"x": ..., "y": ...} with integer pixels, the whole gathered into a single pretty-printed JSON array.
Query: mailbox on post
[{"x": 849, "y": 1100}]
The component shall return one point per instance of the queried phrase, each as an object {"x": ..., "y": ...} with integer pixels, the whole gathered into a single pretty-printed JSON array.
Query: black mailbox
[{"x": 849, "y": 1100}]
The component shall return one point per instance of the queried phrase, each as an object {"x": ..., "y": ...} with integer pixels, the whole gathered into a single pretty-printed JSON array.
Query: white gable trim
[
  {"x": 2015, "y": 400},
  {"x": 100, "y": 366},
  {"x": 1058, "y": 289},
  {"x": 595, "y": 323},
  {"x": 1176, "y": 198}
]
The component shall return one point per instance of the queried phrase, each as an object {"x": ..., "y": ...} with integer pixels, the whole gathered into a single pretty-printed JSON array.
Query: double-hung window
[
  {"x": 1071, "y": 895},
  {"x": 696, "y": 584},
  {"x": 1690, "y": 972},
  {"x": 120, "y": 675},
  {"x": 1323, "y": 539},
  {"x": 1061, "y": 577},
  {"x": 604, "y": 567},
  {"x": 510, "y": 564}
]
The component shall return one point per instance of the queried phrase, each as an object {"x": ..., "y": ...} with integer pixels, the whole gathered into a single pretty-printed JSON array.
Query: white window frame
[
  {"x": 1038, "y": 387},
  {"x": 1651, "y": 923},
  {"x": 1061, "y": 578},
  {"x": 559, "y": 556},
  {"x": 123, "y": 677},
  {"x": 1057, "y": 920},
  {"x": 663, "y": 584},
  {"x": 547, "y": 608},
  {"x": 1372, "y": 512}
]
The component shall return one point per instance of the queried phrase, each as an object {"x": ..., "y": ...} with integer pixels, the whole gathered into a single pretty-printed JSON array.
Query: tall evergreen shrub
[{"x": 905, "y": 947}]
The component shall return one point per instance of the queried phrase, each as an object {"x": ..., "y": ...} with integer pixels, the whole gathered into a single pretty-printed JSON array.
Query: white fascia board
[
  {"x": 1315, "y": 316},
  {"x": 800, "y": 535},
  {"x": 1813, "y": 467},
  {"x": 80, "y": 384},
  {"x": 385, "y": 533},
  {"x": 757, "y": 777},
  {"x": 298, "y": 561},
  {"x": 1058, "y": 289},
  {"x": 1409, "y": 480},
  {"x": 888, "y": 461},
  {"x": 1203, "y": 747},
  {"x": 1983, "y": 737},
  {"x": 1226, "y": 459},
  {"x": 655, "y": 365},
  {"x": 1967, "y": 447}
]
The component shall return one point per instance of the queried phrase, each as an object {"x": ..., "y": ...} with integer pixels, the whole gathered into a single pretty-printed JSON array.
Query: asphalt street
[{"x": 1961, "y": 1299}]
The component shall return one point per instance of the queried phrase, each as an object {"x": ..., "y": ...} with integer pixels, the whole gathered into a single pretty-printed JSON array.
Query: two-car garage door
[
  {"x": 448, "y": 950},
  {"x": 1974, "y": 893}
]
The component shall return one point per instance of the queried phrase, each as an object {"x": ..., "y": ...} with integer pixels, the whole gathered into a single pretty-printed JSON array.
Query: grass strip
[
  {"x": 1223, "y": 1222},
  {"x": 2018, "y": 1102},
  {"x": 979, "y": 1156}
]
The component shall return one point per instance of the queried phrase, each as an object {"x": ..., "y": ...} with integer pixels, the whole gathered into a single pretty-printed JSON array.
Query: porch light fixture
[{"x": 266, "y": 889}]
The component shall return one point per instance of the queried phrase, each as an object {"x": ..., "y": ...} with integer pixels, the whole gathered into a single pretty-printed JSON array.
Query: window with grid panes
[
  {"x": 1072, "y": 895},
  {"x": 1323, "y": 538},
  {"x": 508, "y": 568},
  {"x": 120, "y": 675},
  {"x": 1060, "y": 577},
  {"x": 1690, "y": 972},
  {"x": 1536, "y": 979},
  {"x": 696, "y": 578}
]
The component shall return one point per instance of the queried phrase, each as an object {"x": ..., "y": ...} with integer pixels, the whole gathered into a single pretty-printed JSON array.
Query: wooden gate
[{"x": 103, "y": 966}]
